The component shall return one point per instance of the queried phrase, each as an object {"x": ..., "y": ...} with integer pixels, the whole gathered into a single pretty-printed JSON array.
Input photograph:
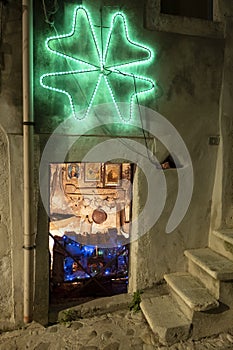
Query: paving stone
[
  {"x": 8, "y": 346},
  {"x": 189, "y": 347},
  {"x": 92, "y": 334},
  {"x": 30, "y": 344},
  {"x": 34, "y": 332},
  {"x": 223, "y": 338},
  {"x": 130, "y": 331},
  {"x": 24, "y": 340},
  {"x": 60, "y": 346},
  {"x": 112, "y": 346},
  {"x": 35, "y": 325},
  {"x": 118, "y": 335},
  {"x": 52, "y": 329},
  {"x": 230, "y": 338},
  {"x": 137, "y": 347},
  {"x": 124, "y": 345},
  {"x": 218, "y": 344},
  {"x": 76, "y": 325},
  {"x": 106, "y": 335},
  {"x": 136, "y": 341},
  {"x": 180, "y": 346},
  {"x": 146, "y": 337},
  {"x": 148, "y": 347},
  {"x": 42, "y": 346}
]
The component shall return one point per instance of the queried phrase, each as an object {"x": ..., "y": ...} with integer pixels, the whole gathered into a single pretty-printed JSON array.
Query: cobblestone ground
[{"x": 121, "y": 330}]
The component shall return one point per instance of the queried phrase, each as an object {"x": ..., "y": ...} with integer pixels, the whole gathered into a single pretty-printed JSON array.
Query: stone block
[
  {"x": 214, "y": 264},
  {"x": 96, "y": 307},
  {"x": 165, "y": 319},
  {"x": 212, "y": 284},
  {"x": 191, "y": 291},
  {"x": 222, "y": 242}
]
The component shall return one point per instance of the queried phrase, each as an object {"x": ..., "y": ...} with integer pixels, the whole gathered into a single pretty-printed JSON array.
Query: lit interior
[{"x": 90, "y": 214}]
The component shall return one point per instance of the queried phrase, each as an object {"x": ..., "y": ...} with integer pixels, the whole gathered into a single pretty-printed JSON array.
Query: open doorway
[{"x": 89, "y": 229}]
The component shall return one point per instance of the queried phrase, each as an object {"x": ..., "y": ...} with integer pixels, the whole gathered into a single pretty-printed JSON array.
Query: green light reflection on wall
[{"x": 91, "y": 63}]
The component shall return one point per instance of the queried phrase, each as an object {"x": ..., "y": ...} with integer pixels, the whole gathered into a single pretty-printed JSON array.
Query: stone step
[
  {"x": 221, "y": 241},
  {"x": 217, "y": 266},
  {"x": 226, "y": 234},
  {"x": 166, "y": 319},
  {"x": 191, "y": 291}
]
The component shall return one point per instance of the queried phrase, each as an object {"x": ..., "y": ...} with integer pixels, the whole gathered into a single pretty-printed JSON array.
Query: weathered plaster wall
[
  {"x": 16, "y": 220},
  {"x": 11, "y": 178},
  {"x": 6, "y": 300},
  {"x": 188, "y": 71},
  {"x": 222, "y": 209},
  {"x": 11, "y": 69},
  {"x": 190, "y": 97}
]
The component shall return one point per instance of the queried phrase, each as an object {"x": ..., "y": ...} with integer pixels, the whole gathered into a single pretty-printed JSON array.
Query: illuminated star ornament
[{"x": 98, "y": 68}]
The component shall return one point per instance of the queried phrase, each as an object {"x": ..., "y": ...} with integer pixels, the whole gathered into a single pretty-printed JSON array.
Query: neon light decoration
[{"x": 92, "y": 62}]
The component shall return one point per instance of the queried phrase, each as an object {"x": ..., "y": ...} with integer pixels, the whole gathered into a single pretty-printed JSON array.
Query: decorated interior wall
[{"x": 90, "y": 214}]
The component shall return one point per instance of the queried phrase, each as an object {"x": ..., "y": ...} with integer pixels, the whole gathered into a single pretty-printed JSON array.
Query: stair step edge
[
  {"x": 224, "y": 234},
  {"x": 191, "y": 291},
  {"x": 166, "y": 319},
  {"x": 211, "y": 262}
]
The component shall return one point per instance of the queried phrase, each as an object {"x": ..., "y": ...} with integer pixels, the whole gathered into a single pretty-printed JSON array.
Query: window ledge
[{"x": 184, "y": 25}]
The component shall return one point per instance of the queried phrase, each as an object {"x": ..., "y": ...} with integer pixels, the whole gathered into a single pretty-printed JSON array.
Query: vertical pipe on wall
[{"x": 28, "y": 147}]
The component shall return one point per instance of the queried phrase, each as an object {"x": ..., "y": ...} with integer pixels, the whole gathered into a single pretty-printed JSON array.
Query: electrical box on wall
[{"x": 214, "y": 140}]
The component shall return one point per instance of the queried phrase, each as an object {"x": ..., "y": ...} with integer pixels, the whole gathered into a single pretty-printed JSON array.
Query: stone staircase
[{"x": 200, "y": 301}]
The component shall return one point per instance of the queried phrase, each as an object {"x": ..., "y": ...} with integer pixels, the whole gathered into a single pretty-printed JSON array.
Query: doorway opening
[{"x": 89, "y": 229}]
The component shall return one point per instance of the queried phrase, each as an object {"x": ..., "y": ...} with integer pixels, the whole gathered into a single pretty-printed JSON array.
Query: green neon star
[{"x": 91, "y": 70}]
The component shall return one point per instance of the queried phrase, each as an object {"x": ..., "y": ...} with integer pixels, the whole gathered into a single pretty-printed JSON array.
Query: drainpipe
[{"x": 28, "y": 148}]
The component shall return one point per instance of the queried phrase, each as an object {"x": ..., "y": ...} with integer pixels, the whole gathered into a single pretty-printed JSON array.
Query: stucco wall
[
  {"x": 6, "y": 300},
  {"x": 188, "y": 70},
  {"x": 222, "y": 209},
  {"x": 11, "y": 174}
]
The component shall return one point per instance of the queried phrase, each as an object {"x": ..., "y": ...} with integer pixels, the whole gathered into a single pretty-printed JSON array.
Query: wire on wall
[{"x": 47, "y": 16}]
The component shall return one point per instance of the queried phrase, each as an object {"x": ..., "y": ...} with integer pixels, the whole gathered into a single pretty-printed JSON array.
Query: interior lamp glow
[{"x": 116, "y": 60}]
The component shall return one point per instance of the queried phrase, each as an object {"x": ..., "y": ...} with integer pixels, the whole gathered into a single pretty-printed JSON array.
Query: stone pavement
[{"x": 119, "y": 330}]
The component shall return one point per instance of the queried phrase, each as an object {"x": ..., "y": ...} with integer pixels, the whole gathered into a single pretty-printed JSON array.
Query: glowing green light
[
  {"x": 113, "y": 98},
  {"x": 59, "y": 52},
  {"x": 65, "y": 92},
  {"x": 147, "y": 51},
  {"x": 93, "y": 95},
  {"x": 110, "y": 67}
]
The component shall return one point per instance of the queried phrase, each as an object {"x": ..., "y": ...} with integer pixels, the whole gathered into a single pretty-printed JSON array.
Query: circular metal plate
[{"x": 99, "y": 216}]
